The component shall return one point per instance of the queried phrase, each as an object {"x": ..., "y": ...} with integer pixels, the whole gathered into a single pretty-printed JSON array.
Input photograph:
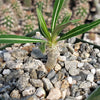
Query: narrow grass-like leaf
[
  {"x": 57, "y": 7},
  {"x": 66, "y": 18},
  {"x": 95, "y": 95},
  {"x": 42, "y": 24},
  {"x": 59, "y": 28},
  {"x": 79, "y": 30},
  {"x": 42, "y": 47},
  {"x": 18, "y": 39}
]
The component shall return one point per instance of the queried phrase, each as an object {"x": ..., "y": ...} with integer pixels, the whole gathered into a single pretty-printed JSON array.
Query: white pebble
[
  {"x": 90, "y": 77},
  {"x": 93, "y": 71},
  {"x": 69, "y": 80},
  {"x": 6, "y": 72}
]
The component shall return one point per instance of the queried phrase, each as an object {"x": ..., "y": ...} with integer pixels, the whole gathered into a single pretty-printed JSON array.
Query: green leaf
[
  {"x": 79, "y": 30},
  {"x": 42, "y": 47},
  {"x": 57, "y": 7},
  {"x": 42, "y": 24},
  {"x": 95, "y": 95},
  {"x": 66, "y": 18},
  {"x": 59, "y": 28},
  {"x": 18, "y": 39}
]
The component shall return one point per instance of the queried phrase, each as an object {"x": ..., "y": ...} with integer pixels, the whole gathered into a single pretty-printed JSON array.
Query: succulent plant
[{"x": 17, "y": 8}]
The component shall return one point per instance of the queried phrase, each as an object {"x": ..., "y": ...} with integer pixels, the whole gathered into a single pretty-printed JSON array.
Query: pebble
[
  {"x": 6, "y": 72},
  {"x": 33, "y": 74},
  {"x": 85, "y": 85},
  {"x": 54, "y": 94},
  {"x": 41, "y": 74},
  {"x": 19, "y": 54},
  {"x": 23, "y": 81},
  {"x": 93, "y": 71},
  {"x": 98, "y": 54},
  {"x": 6, "y": 96},
  {"x": 57, "y": 67},
  {"x": 33, "y": 97},
  {"x": 62, "y": 58},
  {"x": 13, "y": 65},
  {"x": 70, "y": 64},
  {"x": 40, "y": 92},
  {"x": 36, "y": 53},
  {"x": 15, "y": 94},
  {"x": 51, "y": 74},
  {"x": 28, "y": 91},
  {"x": 48, "y": 85},
  {"x": 70, "y": 80},
  {"x": 36, "y": 82},
  {"x": 7, "y": 56},
  {"x": 80, "y": 65},
  {"x": 74, "y": 71},
  {"x": 65, "y": 84},
  {"x": 96, "y": 50},
  {"x": 90, "y": 77}
]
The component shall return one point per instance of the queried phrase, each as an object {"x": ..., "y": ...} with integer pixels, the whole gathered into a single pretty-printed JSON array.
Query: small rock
[
  {"x": 98, "y": 54},
  {"x": 23, "y": 81},
  {"x": 40, "y": 92},
  {"x": 33, "y": 74},
  {"x": 62, "y": 58},
  {"x": 54, "y": 94},
  {"x": 54, "y": 79},
  {"x": 57, "y": 67},
  {"x": 36, "y": 53},
  {"x": 6, "y": 72},
  {"x": 69, "y": 79},
  {"x": 51, "y": 74},
  {"x": 80, "y": 65},
  {"x": 15, "y": 94},
  {"x": 74, "y": 71},
  {"x": 65, "y": 84},
  {"x": 47, "y": 84},
  {"x": 36, "y": 82},
  {"x": 96, "y": 50},
  {"x": 58, "y": 84},
  {"x": 13, "y": 65},
  {"x": 41, "y": 74},
  {"x": 19, "y": 54},
  {"x": 90, "y": 77},
  {"x": 7, "y": 56},
  {"x": 34, "y": 97},
  {"x": 60, "y": 75},
  {"x": 6, "y": 96},
  {"x": 93, "y": 71},
  {"x": 85, "y": 85},
  {"x": 28, "y": 91},
  {"x": 70, "y": 64}
]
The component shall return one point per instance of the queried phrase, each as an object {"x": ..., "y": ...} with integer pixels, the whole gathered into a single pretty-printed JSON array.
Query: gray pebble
[
  {"x": 36, "y": 82},
  {"x": 23, "y": 81},
  {"x": 40, "y": 92},
  {"x": 74, "y": 71},
  {"x": 85, "y": 85},
  {"x": 33, "y": 74},
  {"x": 36, "y": 53},
  {"x": 48, "y": 85},
  {"x": 70, "y": 64},
  {"x": 51, "y": 74},
  {"x": 90, "y": 77},
  {"x": 7, "y": 56},
  {"x": 28, "y": 91},
  {"x": 41, "y": 74}
]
